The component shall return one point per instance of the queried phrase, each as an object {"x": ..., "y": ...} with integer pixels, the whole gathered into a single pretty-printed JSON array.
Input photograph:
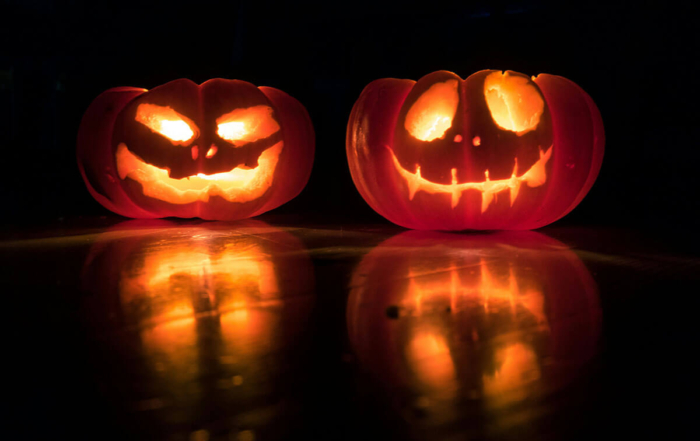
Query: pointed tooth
[
  {"x": 456, "y": 195},
  {"x": 514, "y": 190},
  {"x": 414, "y": 184},
  {"x": 486, "y": 198}
]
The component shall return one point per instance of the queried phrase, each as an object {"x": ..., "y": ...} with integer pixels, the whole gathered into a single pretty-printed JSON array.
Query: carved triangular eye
[
  {"x": 242, "y": 126},
  {"x": 167, "y": 122},
  {"x": 514, "y": 102},
  {"x": 432, "y": 113}
]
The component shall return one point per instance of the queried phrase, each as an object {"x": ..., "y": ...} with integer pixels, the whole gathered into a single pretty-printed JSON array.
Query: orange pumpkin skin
[
  {"x": 477, "y": 174},
  {"x": 136, "y": 162}
]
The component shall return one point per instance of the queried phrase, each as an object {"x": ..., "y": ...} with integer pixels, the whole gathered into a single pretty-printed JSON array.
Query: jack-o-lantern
[
  {"x": 452, "y": 323},
  {"x": 497, "y": 150},
  {"x": 222, "y": 150},
  {"x": 207, "y": 317}
]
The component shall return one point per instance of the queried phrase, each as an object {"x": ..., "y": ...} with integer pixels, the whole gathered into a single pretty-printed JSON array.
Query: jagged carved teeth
[{"x": 533, "y": 177}]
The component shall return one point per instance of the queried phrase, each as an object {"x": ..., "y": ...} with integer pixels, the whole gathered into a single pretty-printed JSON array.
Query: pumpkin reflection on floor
[
  {"x": 458, "y": 324},
  {"x": 215, "y": 313}
]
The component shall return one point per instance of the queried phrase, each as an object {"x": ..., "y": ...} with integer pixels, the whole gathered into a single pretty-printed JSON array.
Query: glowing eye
[
  {"x": 514, "y": 102},
  {"x": 432, "y": 114},
  {"x": 232, "y": 131},
  {"x": 242, "y": 126},
  {"x": 165, "y": 121}
]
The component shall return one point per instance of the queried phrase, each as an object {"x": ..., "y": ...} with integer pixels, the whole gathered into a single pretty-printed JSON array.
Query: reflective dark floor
[{"x": 255, "y": 331}]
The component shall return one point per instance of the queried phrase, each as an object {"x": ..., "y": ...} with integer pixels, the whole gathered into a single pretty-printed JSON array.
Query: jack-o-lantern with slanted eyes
[
  {"x": 222, "y": 150},
  {"x": 497, "y": 150}
]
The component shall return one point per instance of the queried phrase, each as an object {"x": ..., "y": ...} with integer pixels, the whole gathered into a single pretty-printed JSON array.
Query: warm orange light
[
  {"x": 212, "y": 151},
  {"x": 459, "y": 321},
  {"x": 476, "y": 141},
  {"x": 490, "y": 289},
  {"x": 515, "y": 102},
  {"x": 171, "y": 349},
  {"x": 253, "y": 293},
  {"x": 518, "y": 367},
  {"x": 534, "y": 177},
  {"x": 432, "y": 362},
  {"x": 237, "y": 185},
  {"x": 237, "y": 282},
  {"x": 432, "y": 113},
  {"x": 177, "y": 285},
  {"x": 232, "y": 131},
  {"x": 166, "y": 122},
  {"x": 463, "y": 286},
  {"x": 169, "y": 299},
  {"x": 241, "y": 126},
  {"x": 171, "y": 279}
]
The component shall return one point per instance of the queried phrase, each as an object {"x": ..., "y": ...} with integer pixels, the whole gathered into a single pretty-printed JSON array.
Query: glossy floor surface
[{"x": 255, "y": 331}]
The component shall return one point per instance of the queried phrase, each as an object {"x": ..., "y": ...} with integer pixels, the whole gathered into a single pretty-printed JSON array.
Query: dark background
[{"x": 636, "y": 61}]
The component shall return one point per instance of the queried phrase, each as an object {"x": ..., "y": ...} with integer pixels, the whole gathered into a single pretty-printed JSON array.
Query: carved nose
[
  {"x": 212, "y": 151},
  {"x": 195, "y": 152}
]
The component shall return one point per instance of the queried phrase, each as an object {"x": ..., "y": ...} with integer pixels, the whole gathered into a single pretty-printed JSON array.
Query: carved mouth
[
  {"x": 533, "y": 177},
  {"x": 237, "y": 185}
]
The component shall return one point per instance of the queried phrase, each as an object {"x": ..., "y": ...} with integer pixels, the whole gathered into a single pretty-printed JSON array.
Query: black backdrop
[{"x": 634, "y": 60}]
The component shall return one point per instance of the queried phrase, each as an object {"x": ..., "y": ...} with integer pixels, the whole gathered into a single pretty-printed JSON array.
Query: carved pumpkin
[
  {"x": 221, "y": 150},
  {"x": 451, "y": 323},
  {"x": 497, "y": 150},
  {"x": 207, "y": 317}
]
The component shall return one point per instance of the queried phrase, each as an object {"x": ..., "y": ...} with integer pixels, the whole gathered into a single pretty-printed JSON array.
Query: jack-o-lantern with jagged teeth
[
  {"x": 498, "y": 150},
  {"x": 224, "y": 149}
]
